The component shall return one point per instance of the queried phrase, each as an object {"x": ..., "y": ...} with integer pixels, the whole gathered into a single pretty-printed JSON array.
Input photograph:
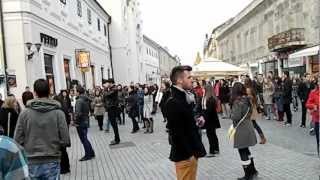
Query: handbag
[{"x": 232, "y": 130}]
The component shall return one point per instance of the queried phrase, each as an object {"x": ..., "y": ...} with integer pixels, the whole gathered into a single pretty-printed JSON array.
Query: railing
[{"x": 288, "y": 38}]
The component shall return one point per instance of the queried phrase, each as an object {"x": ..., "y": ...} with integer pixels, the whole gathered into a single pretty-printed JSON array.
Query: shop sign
[{"x": 295, "y": 62}]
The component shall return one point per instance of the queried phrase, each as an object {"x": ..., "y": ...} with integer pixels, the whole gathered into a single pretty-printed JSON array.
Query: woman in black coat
[
  {"x": 66, "y": 107},
  {"x": 212, "y": 123},
  {"x": 166, "y": 94},
  {"x": 132, "y": 108},
  {"x": 8, "y": 125},
  {"x": 224, "y": 96}
]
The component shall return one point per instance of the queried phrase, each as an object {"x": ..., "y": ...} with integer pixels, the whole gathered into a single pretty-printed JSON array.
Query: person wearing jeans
[
  {"x": 42, "y": 130},
  {"x": 52, "y": 169},
  {"x": 82, "y": 122},
  {"x": 268, "y": 91}
]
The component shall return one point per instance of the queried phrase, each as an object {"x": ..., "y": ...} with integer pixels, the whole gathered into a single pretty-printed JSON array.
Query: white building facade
[
  {"x": 61, "y": 27},
  {"x": 126, "y": 40},
  {"x": 150, "y": 64},
  {"x": 166, "y": 62}
]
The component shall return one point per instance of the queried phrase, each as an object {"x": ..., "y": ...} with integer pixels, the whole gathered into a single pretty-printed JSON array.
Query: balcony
[{"x": 287, "y": 41}]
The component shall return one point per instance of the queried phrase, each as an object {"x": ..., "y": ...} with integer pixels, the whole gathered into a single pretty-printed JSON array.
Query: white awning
[
  {"x": 215, "y": 67},
  {"x": 305, "y": 52}
]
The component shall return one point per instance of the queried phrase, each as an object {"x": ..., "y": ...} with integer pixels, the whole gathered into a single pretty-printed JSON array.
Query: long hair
[
  {"x": 250, "y": 90},
  {"x": 238, "y": 90},
  {"x": 9, "y": 102}
]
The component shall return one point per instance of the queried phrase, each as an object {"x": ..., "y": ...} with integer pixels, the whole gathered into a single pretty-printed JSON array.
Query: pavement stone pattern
[{"x": 288, "y": 155}]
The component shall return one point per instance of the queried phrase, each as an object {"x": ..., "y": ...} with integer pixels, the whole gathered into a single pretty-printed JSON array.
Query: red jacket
[
  {"x": 199, "y": 91},
  {"x": 312, "y": 102}
]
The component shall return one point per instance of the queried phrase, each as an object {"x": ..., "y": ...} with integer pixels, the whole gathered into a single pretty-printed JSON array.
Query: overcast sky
[{"x": 181, "y": 25}]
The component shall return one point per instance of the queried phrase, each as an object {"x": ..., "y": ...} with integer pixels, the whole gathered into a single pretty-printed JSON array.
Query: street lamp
[{"x": 30, "y": 51}]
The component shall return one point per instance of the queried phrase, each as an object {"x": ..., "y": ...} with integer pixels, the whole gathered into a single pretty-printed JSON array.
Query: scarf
[{"x": 189, "y": 95}]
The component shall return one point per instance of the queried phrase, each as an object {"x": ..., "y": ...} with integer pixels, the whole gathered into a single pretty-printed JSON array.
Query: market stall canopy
[
  {"x": 305, "y": 52},
  {"x": 216, "y": 67}
]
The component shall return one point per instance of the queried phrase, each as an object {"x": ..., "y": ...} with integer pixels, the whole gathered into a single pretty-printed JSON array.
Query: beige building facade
[{"x": 263, "y": 35}]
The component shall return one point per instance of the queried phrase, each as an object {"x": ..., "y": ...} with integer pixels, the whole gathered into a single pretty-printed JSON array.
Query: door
[
  {"x": 49, "y": 72},
  {"x": 66, "y": 63}
]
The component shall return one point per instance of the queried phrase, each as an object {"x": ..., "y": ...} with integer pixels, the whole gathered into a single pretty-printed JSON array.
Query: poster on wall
[
  {"x": 83, "y": 58},
  {"x": 12, "y": 80}
]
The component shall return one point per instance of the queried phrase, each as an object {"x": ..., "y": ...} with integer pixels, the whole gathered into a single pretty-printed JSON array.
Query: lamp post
[{"x": 30, "y": 51}]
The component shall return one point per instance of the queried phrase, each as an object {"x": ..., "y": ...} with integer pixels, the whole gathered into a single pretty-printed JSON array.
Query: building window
[
  {"x": 67, "y": 72},
  {"x": 48, "y": 66},
  {"x": 98, "y": 22},
  {"x": 79, "y": 8},
  {"x": 63, "y": 1},
  {"x": 89, "y": 16},
  {"x": 105, "y": 30}
]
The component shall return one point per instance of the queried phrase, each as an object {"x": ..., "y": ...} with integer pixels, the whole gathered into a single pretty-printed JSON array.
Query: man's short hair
[
  {"x": 41, "y": 87},
  {"x": 286, "y": 73},
  {"x": 177, "y": 72},
  {"x": 80, "y": 89}
]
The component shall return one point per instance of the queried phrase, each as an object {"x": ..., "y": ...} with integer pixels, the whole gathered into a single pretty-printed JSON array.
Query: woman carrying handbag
[{"x": 244, "y": 135}]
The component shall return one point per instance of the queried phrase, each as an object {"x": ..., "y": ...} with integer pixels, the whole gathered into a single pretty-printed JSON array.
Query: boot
[
  {"x": 263, "y": 139},
  {"x": 147, "y": 126},
  {"x": 246, "y": 173},
  {"x": 151, "y": 125},
  {"x": 253, "y": 171}
]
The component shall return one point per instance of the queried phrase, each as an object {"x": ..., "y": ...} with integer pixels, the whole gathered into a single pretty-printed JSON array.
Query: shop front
[{"x": 306, "y": 60}]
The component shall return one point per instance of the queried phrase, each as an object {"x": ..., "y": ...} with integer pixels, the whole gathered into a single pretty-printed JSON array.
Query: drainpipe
[
  {"x": 110, "y": 48},
  {"x": 4, "y": 49}
]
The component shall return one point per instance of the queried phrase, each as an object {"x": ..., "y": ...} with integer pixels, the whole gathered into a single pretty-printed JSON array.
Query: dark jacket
[
  {"x": 210, "y": 114},
  {"x": 166, "y": 95},
  {"x": 132, "y": 105},
  {"x": 121, "y": 98},
  {"x": 245, "y": 135},
  {"x": 42, "y": 131},
  {"x": 304, "y": 90},
  {"x": 224, "y": 94},
  {"x": 287, "y": 91},
  {"x": 183, "y": 132},
  {"x": 65, "y": 106},
  {"x": 110, "y": 97},
  {"x": 82, "y": 111},
  {"x": 4, "y": 120}
]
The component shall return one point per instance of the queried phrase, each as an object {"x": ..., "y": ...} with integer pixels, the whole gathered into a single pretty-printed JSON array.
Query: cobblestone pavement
[{"x": 288, "y": 155}]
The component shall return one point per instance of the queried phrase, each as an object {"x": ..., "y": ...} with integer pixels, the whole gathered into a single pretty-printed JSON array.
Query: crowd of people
[
  {"x": 188, "y": 106},
  {"x": 51, "y": 116},
  {"x": 194, "y": 105}
]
